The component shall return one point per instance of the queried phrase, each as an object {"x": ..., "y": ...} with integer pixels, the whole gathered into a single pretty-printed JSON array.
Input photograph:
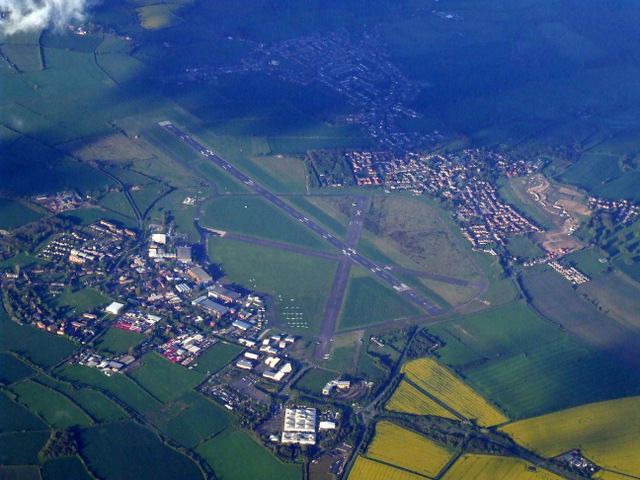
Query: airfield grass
[
  {"x": 225, "y": 183},
  {"x": 15, "y": 214},
  {"x": 12, "y": 369},
  {"x": 21, "y": 448},
  {"x": 365, "y": 469},
  {"x": 216, "y": 357},
  {"x": 56, "y": 409},
  {"x": 42, "y": 348},
  {"x": 191, "y": 419},
  {"x": 20, "y": 472},
  {"x": 110, "y": 450},
  {"x": 65, "y": 468},
  {"x": 408, "y": 399},
  {"x": 81, "y": 301},
  {"x": 118, "y": 341},
  {"x": 314, "y": 380},
  {"x": 524, "y": 364},
  {"x": 287, "y": 174},
  {"x": 292, "y": 279},
  {"x": 367, "y": 301},
  {"x": 256, "y": 461},
  {"x": 398, "y": 446},
  {"x": 164, "y": 379},
  {"x": 431, "y": 377},
  {"x": 14, "y": 417},
  {"x": 323, "y": 212},
  {"x": 120, "y": 386},
  {"x": 606, "y": 433},
  {"x": 95, "y": 404},
  {"x": 617, "y": 297},
  {"x": 490, "y": 467},
  {"x": 254, "y": 216},
  {"x": 117, "y": 202}
]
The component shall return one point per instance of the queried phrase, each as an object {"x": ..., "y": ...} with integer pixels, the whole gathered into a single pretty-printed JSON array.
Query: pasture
[
  {"x": 608, "y": 433},
  {"x": 15, "y": 214},
  {"x": 294, "y": 280},
  {"x": 408, "y": 450},
  {"x": 118, "y": 341},
  {"x": 22, "y": 448},
  {"x": 489, "y": 467},
  {"x": 65, "y": 468},
  {"x": 224, "y": 450},
  {"x": 17, "y": 418},
  {"x": 255, "y": 216},
  {"x": 216, "y": 357},
  {"x": 408, "y": 399},
  {"x": 42, "y": 348},
  {"x": 127, "y": 451},
  {"x": 428, "y": 375},
  {"x": 368, "y": 301},
  {"x": 56, "y": 409},
  {"x": 120, "y": 386},
  {"x": 165, "y": 380},
  {"x": 12, "y": 369},
  {"x": 365, "y": 469},
  {"x": 191, "y": 419}
]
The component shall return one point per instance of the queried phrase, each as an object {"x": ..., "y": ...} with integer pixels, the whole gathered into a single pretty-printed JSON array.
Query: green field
[
  {"x": 617, "y": 297},
  {"x": 14, "y": 214},
  {"x": 65, "y": 468},
  {"x": 607, "y": 433},
  {"x": 294, "y": 280},
  {"x": 255, "y": 216},
  {"x": 56, "y": 409},
  {"x": 523, "y": 248},
  {"x": 120, "y": 386},
  {"x": 191, "y": 419},
  {"x": 42, "y": 348},
  {"x": 21, "y": 448},
  {"x": 217, "y": 357},
  {"x": 256, "y": 461},
  {"x": 587, "y": 261},
  {"x": 367, "y": 301},
  {"x": 126, "y": 451},
  {"x": 81, "y": 301},
  {"x": 13, "y": 369},
  {"x": 524, "y": 365},
  {"x": 165, "y": 380},
  {"x": 16, "y": 418},
  {"x": 314, "y": 380},
  {"x": 118, "y": 341}
]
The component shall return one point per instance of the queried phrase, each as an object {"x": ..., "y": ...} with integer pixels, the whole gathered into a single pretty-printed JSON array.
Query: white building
[
  {"x": 299, "y": 426},
  {"x": 114, "y": 308}
]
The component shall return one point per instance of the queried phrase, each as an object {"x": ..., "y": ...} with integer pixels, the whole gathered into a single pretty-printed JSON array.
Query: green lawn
[
  {"x": 165, "y": 380},
  {"x": 297, "y": 282},
  {"x": 127, "y": 451},
  {"x": 217, "y": 357},
  {"x": 191, "y": 419},
  {"x": 119, "y": 341},
  {"x": 314, "y": 380},
  {"x": 56, "y": 409},
  {"x": 367, "y": 301},
  {"x": 255, "y": 216},
  {"x": 81, "y": 301},
  {"x": 224, "y": 451}
]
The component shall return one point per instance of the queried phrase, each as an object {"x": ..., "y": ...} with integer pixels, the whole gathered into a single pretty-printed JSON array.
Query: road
[{"x": 384, "y": 275}]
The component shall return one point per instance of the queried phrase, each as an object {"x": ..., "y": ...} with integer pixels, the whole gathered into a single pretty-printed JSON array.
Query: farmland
[
  {"x": 408, "y": 450},
  {"x": 365, "y": 469},
  {"x": 408, "y": 399},
  {"x": 16, "y": 418},
  {"x": 486, "y": 467},
  {"x": 13, "y": 369},
  {"x": 608, "y": 433},
  {"x": 258, "y": 463},
  {"x": 165, "y": 380},
  {"x": 65, "y": 468},
  {"x": 21, "y": 448},
  {"x": 110, "y": 448},
  {"x": 428, "y": 375}
]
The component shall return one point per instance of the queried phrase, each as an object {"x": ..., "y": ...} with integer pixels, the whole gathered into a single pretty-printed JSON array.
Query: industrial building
[{"x": 299, "y": 426}]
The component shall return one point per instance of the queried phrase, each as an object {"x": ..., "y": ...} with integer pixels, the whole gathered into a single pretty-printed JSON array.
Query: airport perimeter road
[{"x": 383, "y": 274}]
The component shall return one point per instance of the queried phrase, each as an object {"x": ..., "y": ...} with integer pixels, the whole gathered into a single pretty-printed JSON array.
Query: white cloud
[{"x": 24, "y": 15}]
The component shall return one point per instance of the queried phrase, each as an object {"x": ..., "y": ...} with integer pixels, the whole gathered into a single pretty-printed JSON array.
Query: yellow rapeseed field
[
  {"x": 602, "y": 475},
  {"x": 404, "y": 448},
  {"x": 489, "y": 467},
  {"x": 450, "y": 390},
  {"x": 408, "y": 399},
  {"x": 365, "y": 469},
  {"x": 608, "y": 433}
]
